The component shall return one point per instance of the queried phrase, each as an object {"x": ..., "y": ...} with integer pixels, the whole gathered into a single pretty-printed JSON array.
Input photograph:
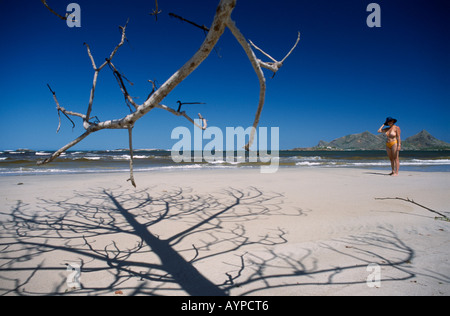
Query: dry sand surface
[{"x": 226, "y": 232}]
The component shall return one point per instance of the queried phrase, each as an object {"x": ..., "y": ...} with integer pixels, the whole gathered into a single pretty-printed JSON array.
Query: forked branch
[
  {"x": 156, "y": 11},
  {"x": 257, "y": 66},
  {"x": 221, "y": 21},
  {"x": 275, "y": 65}
]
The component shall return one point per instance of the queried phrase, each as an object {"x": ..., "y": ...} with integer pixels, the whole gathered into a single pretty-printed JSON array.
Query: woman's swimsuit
[
  {"x": 394, "y": 142},
  {"x": 391, "y": 144}
]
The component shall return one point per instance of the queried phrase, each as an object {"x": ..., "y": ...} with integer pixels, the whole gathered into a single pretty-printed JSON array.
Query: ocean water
[{"x": 23, "y": 162}]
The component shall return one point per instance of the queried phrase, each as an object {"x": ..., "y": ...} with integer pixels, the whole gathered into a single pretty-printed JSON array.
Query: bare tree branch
[
  {"x": 64, "y": 18},
  {"x": 262, "y": 80},
  {"x": 65, "y": 148},
  {"x": 443, "y": 217},
  {"x": 221, "y": 21},
  {"x": 128, "y": 99},
  {"x": 154, "y": 88},
  {"x": 276, "y": 65},
  {"x": 257, "y": 66},
  {"x": 63, "y": 110},
  {"x": 90, "y": 56},
  {"x": 130, "y": 140},
  {"x": 292, "y": 49},
  {"x": 156, "y": 11},
  {"x": 202, "y": 27},
  {"x": 177, "y": 113},
  {"x": 97, "y": 71}
]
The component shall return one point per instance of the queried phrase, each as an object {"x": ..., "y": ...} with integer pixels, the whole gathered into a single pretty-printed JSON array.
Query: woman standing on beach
[{"x": 393, "y": 144}]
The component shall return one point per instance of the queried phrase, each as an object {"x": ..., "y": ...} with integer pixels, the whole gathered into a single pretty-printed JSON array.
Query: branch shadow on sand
[
  {"x": 115, "y": 236},
  {"x": 172, "y": 242}
]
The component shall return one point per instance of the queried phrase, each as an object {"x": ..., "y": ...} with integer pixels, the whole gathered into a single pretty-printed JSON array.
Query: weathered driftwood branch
[
  {"x": 276, "y": 65},
  {"x": 221, "y": 21},
  {"x": 86, "y": 123},
  {"x": 443, "y": 217},
  {"x": 257, "y": 67}
]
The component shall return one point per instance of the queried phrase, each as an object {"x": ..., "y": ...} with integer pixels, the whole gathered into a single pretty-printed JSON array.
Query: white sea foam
[
  {"x": 418, "y": 162},
  {"x": 308, "y": 163}
]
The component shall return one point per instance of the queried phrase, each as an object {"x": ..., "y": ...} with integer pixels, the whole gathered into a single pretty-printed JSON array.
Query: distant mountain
[
  {"x": 369, "y": 141},
  {"x": 363, "y": 141},
  {"x": 424, "y": 141}
]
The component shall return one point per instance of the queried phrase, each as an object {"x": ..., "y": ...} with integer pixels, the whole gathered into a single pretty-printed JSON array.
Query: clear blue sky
[{"x": 343, "y": 78}]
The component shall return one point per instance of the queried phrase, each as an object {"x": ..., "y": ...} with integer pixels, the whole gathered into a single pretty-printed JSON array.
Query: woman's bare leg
[
  {"x": 392, "y": 159},
  {"x": 394, "y": 156},
  {"x": 396, "y": 159}
]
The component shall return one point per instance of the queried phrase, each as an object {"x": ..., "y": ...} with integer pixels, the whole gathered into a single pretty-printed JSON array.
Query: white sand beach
[{"x": 310, "y": 231}]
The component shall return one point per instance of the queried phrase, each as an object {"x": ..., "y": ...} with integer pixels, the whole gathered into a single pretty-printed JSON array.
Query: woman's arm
[
  {"x": 399, "y": 138},
  {"x": 380, "y": 130}
]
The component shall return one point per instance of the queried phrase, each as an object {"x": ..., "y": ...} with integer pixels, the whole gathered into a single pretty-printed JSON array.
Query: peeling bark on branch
[{"x": 222, "y": 20}]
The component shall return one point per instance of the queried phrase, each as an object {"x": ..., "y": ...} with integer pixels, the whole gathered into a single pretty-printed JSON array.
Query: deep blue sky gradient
[{"x": 344, "y": 77}]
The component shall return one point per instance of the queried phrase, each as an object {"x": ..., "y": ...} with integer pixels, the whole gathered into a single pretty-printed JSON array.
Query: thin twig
[
  {"x": 415, "y": 203},
  {"x": 293, "y": 48},
  {"x": 174, "y": 112},
  {"x": 64, "y": 18},
  {"x": 130, "y": 140},
  {"x": 128, "y": 99},
  {"x": 202, "y": 27},
  {"x": 154, "y": 88},
  {"x": 180, "y": 104},
  {"x": 61, "y": 109},
  {"x": 276, "y": 65},
  {"x": 156, "y": 11},
  {"x": 90, "y": 56},
  {"x": 97, "y": 71}
]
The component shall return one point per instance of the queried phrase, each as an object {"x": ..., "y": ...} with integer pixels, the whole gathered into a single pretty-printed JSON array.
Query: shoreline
[
  {"x": 201, "y": 168},
  {"x": 305, "y": 231},
  {"x": 155, "y": 161}
]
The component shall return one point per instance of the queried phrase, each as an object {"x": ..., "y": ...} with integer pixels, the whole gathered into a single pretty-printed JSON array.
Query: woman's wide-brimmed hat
[{"x": 390, "y": 119}]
